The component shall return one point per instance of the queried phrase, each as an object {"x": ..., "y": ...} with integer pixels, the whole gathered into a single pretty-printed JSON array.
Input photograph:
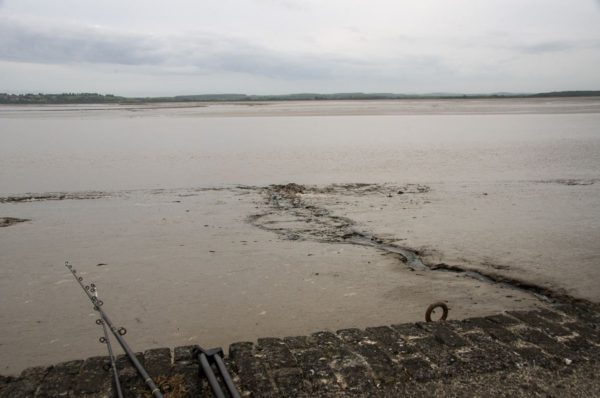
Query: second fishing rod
[{"x": 118, "y": 333}]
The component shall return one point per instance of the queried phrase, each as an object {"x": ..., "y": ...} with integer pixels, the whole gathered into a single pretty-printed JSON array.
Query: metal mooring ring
[{"x": 432, "y": 307}]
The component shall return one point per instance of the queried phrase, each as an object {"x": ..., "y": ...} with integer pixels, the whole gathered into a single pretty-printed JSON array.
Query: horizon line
[{"x": 307, "y": 93}]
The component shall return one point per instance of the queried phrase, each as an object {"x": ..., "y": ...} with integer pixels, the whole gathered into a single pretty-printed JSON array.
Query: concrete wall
[{"x": 519, "y": 353}]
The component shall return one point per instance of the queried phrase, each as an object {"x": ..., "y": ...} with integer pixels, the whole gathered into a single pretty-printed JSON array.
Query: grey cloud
[
  {"x": 54, "y": 45},
  {"x": 548, "y": 47},
  {"x": 558, "y": 46},
  {"x": 205, "y": 52},
  {"x": 288, "y": 4},
  {"x": 201, "y": 53},
  {"x": 266, "y": 64}
]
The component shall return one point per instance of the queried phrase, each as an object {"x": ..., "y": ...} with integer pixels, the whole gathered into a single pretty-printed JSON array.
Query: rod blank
[
  {"x": 214, "y": 355},
  {"x": 113, "y": 364},
  {"x": 116, "y": 332}
]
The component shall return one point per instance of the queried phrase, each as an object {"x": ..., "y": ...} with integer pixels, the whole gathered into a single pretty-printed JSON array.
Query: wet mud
[
  {"x": 293, "y": 216},
  {"x": 571, "y": 181},
  {"x": 8, "y": 221},
  {"x": 344, "y": 260},
  {"x": 53, "y": 196}
]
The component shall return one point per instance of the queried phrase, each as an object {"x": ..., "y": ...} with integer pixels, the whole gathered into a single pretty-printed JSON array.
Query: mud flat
[
  {"x": 8, "y": 221},
  {"x": 51, "y": 196},
  {"x": 216, "y": 265},
  {"x": 193, "y": 234}
]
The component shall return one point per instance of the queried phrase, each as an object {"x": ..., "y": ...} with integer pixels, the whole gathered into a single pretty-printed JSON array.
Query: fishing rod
[
  {"x": 214, "y": 355},
  {"x": 106, "y": 340},
  {"x": 118, "y": 333}
]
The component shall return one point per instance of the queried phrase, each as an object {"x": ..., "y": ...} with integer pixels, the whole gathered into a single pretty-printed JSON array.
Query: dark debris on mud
[
  {"x": 571, "y": 181},
  {"x": 371, "y": 188},
  {"x": 293, "y": 216},
  {"x": 8, "y": 221},
  {"x": 53, "y": 196}
]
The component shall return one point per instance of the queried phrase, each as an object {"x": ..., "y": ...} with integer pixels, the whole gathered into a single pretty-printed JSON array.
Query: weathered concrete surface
[{"x": 534, "y": 353}]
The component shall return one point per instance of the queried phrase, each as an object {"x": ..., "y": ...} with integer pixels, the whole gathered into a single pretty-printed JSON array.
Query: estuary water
[
  {"x": 73, "y": 148},
  {"x": 154, "y": 203}
]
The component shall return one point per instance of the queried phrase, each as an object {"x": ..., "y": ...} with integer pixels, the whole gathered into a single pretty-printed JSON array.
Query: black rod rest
[{"x": 207, "y": 357}]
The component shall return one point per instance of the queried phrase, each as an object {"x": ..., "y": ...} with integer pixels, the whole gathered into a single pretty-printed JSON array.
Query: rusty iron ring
[{"x": 432, "y": 307}]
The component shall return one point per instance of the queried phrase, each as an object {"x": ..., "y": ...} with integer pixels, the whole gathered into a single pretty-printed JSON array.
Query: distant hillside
[
  {"x": 568, "y": 94},
  {"x": 94, "y": 98}
]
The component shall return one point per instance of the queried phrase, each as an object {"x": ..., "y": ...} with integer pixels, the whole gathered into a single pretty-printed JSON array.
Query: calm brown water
[
  {"x": 514, "y": 189},
  {"x": 87, "y": 147}
]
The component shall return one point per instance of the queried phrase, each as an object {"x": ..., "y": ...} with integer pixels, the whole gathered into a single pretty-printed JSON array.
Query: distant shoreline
[{"x": 94, "y": 98}]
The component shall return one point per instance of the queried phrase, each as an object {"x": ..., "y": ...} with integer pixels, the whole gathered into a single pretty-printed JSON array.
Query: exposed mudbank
[
  {"x": 30, "y": 197},
  {"x": 85, "y": 195},
  {"x": 293, "y": 216},
  {"x": 248, "y": 273},
  {"x": 8, "y": 221},
  {"x": 571, "y": 181}
]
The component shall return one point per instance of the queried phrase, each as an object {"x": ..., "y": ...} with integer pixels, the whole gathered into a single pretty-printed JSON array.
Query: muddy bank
[
  {"x": 29, "y": 197},
  {"x": 8, "y": 221},
  {"x": 541, "y": 237},
  {"x": 571, "y": 181},
  {"x": 220, "y": 278},
  {"x": 294, "y": 216},
  {"x": 280, "y": 260}
]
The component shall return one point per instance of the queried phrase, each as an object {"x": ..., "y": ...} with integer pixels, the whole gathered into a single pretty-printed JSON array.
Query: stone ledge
[{"x": 535, "y": 348}]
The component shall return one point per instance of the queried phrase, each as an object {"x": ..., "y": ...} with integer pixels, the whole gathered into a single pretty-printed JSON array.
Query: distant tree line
[
  {"x": 95, "y": 98},
  {"x": 64, "y": 98}
]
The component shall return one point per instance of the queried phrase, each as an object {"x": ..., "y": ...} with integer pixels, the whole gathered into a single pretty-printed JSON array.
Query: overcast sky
[{"x": 151, "y": 47}]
